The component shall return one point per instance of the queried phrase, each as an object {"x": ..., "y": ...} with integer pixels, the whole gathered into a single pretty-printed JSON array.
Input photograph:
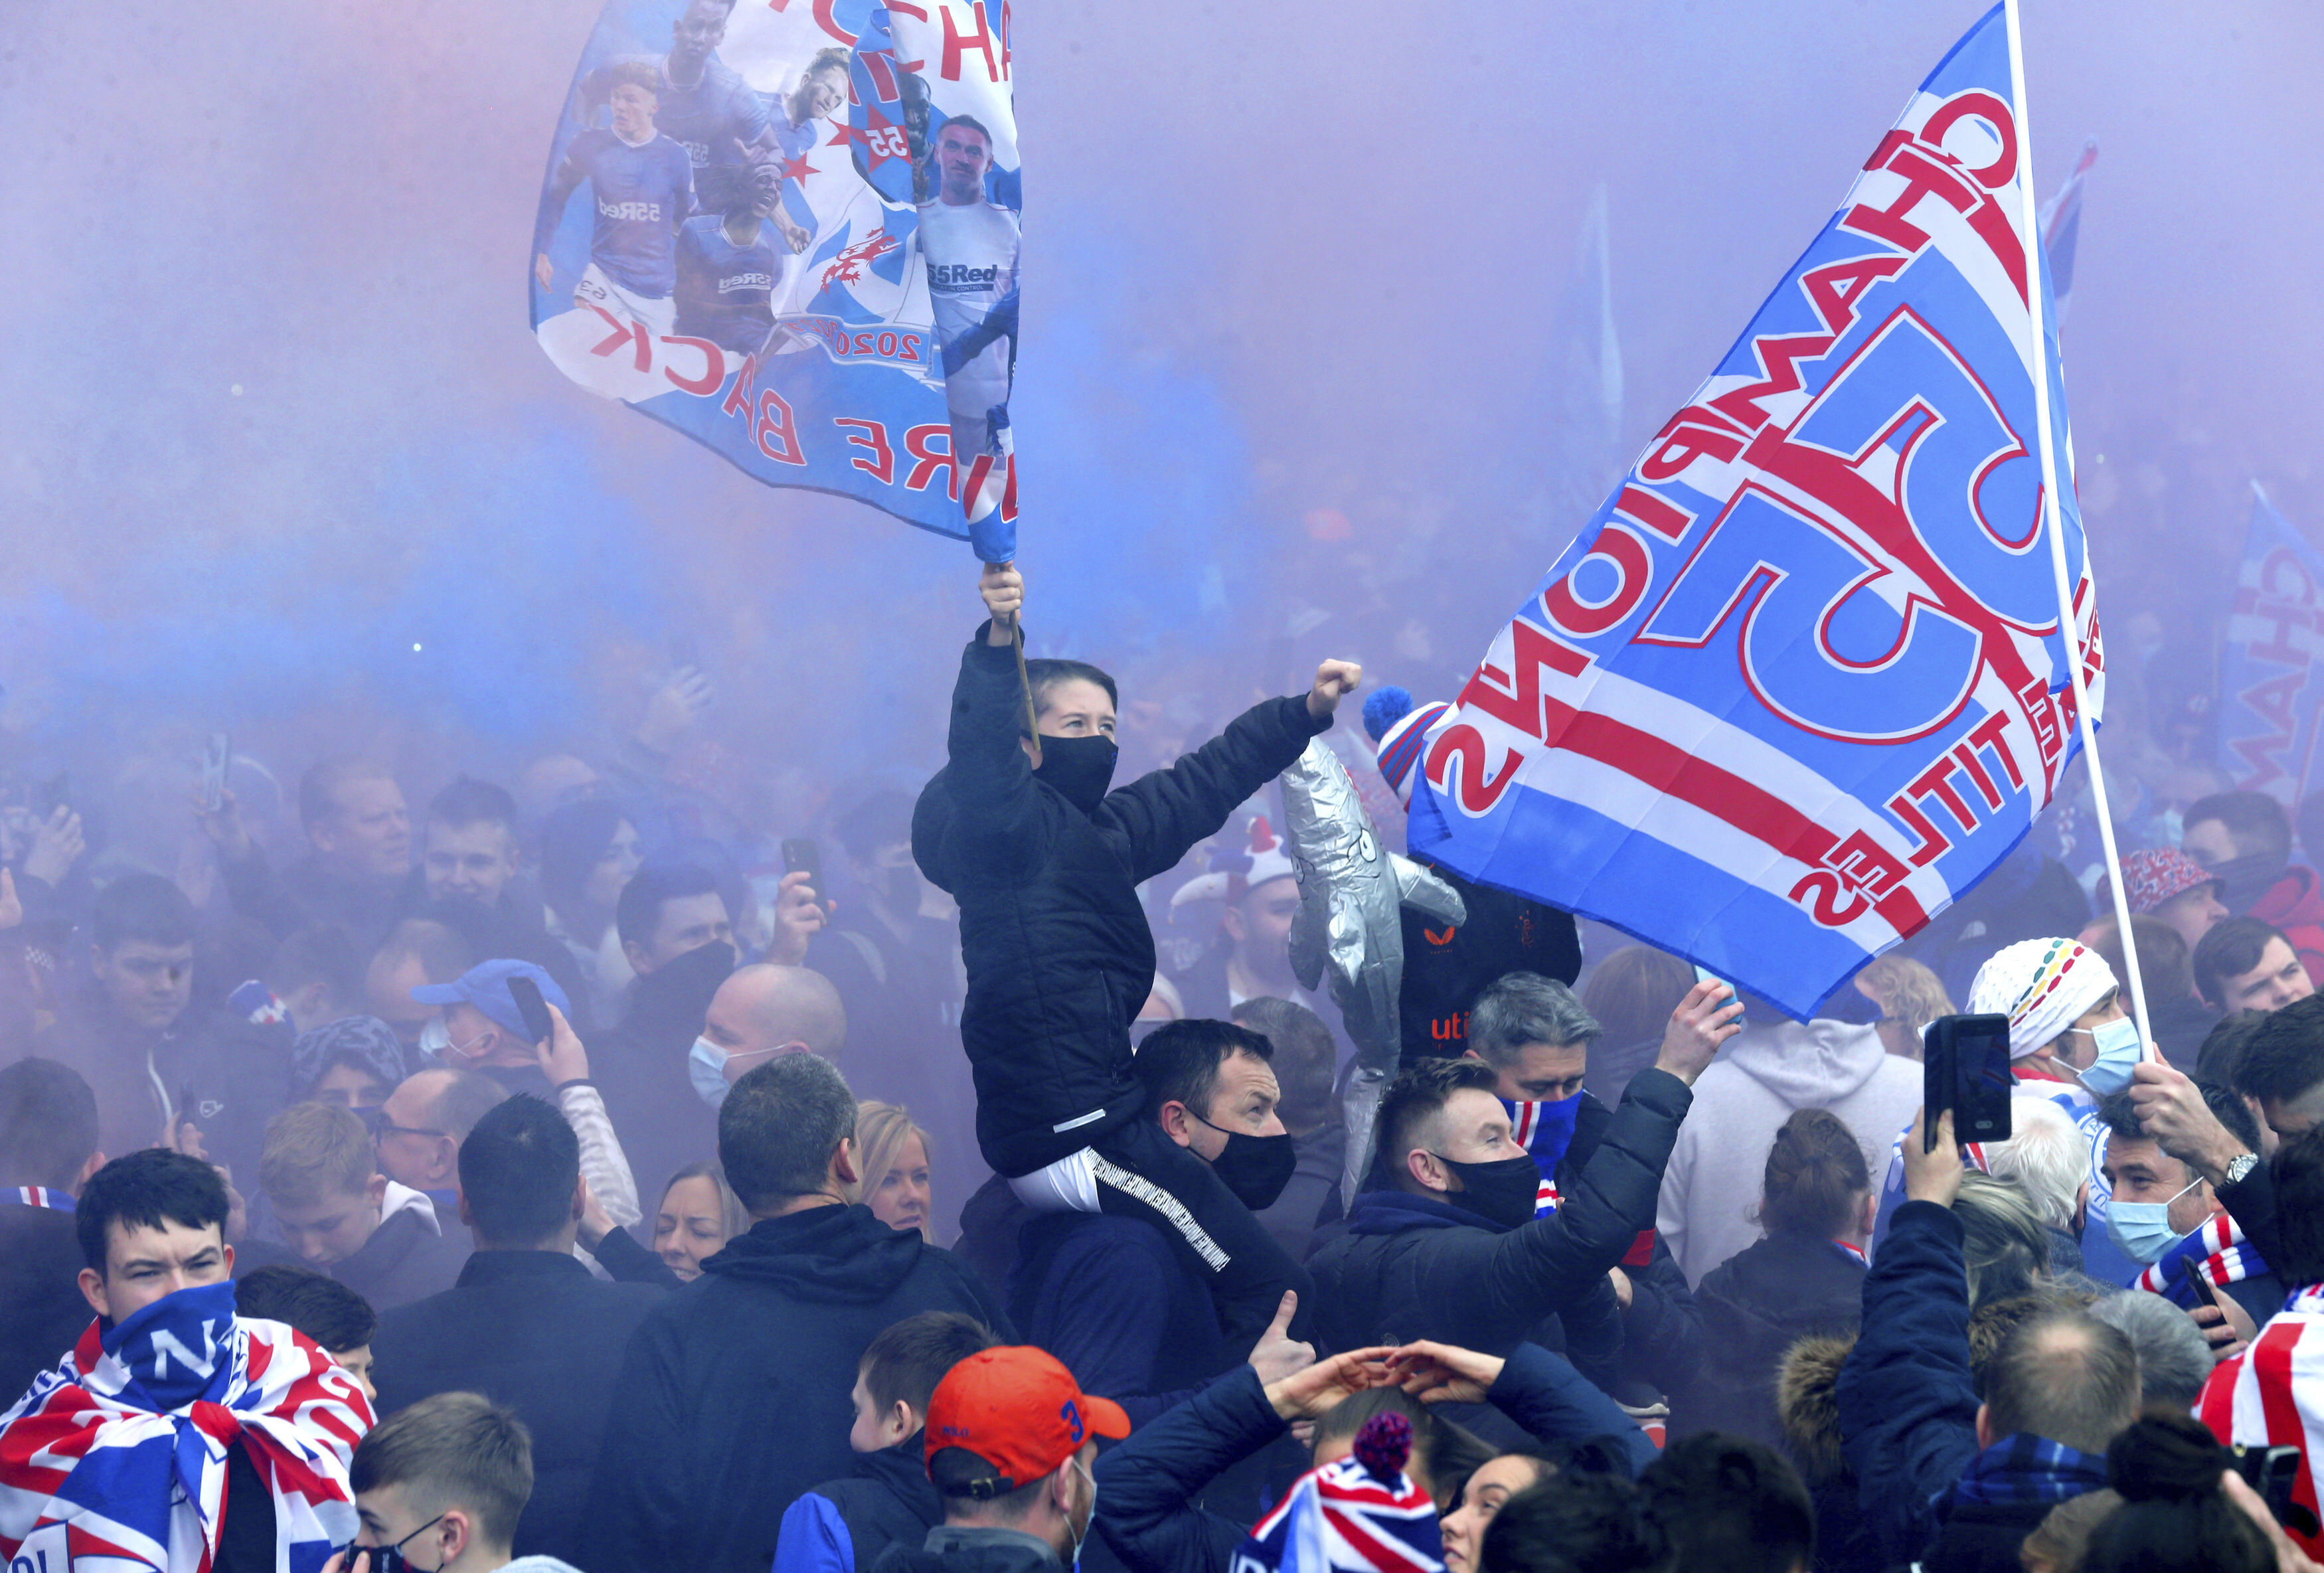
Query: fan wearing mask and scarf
[
  {"x": 1446, "y": 1244},
  {"x": 177, "y": 1434},
  {"x": 1045, "y": 855},
  {"x": 2164, "y": 1215}
]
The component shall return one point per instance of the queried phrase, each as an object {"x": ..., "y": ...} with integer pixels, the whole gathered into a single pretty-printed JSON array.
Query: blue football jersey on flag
[
  {"x": 642, "y": 195},
  {"x": 722, "y": 288}
]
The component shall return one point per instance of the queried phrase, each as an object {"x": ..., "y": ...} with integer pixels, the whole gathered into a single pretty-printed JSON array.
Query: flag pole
[{"x": 2051, "y": 524}]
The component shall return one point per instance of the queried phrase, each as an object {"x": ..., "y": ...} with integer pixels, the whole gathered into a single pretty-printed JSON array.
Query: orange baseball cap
[{"x": 1004, "y": 1417}]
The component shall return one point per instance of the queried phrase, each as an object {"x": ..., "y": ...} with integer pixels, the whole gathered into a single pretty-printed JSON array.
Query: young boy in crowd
[
  {"x": 440, "y": 1486},
  {"x": 844, "y": 1526}
]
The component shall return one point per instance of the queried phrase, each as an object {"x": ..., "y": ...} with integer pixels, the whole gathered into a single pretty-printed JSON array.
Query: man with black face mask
[
  {"x": 2244, "y": 839},
  {"x": 1045, "y": 862},
  {"x": 1107, "y": 1295},
  {"x": 1445, "y": 1245}
]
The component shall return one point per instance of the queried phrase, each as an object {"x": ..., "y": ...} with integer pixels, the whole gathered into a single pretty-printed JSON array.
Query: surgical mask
[
  {"x": 1255, "y": 1168},
  {"x": 435, "y": 1039},
  {"x": 2118, "y": 1054},
  {"x": 1503, "y": 1192},
  {"x": 1083, "y": 1537},
  {"x": 2142, "y": 1230},
  {"x": 706, "y": 1067},
  {"x": 1081, "y": 768}
]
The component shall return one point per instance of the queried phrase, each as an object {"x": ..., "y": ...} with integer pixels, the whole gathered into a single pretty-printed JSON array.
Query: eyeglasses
[{"x": 405, "y": 1130}]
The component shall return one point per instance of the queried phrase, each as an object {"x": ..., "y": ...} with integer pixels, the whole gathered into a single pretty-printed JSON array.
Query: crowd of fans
[{"x": 564, "y": 1183}]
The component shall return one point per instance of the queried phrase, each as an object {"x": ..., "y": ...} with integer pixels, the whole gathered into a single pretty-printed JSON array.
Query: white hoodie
[{"x": 1710, "y": 1190}]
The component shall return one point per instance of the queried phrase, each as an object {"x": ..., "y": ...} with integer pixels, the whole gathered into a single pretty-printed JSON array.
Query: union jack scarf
[
  {"x": 2272, "y": 1395},
  {"x": 115, "y": 1461},
  {"x": 2220, "y": 1253},
  {"x": 1362, "y": 1514}
]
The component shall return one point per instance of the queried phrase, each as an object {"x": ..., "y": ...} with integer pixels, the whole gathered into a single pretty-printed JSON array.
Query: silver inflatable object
[{"x": 1351, "y": 891}]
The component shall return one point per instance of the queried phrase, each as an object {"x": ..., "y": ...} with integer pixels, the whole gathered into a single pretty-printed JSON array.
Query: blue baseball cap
[{"x": 486, "y": 985}]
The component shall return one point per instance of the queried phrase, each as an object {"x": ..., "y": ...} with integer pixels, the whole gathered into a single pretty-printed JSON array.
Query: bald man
[{"x": 761, "y": 1011}]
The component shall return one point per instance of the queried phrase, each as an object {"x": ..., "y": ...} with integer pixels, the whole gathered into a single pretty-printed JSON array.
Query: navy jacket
[
  {"x": 735, "y": 1390},
  {"x": 1110, "y": 1298},
  {"x": 1059, "y": 953},
  {"x": 1145, "y": 1484},
  {"x": 847, "y": 1525},
  {"x": 1906, "y": 1400},
  {"x": 1413, "y": 1267},
  {"x": 532, "y": 1331}
]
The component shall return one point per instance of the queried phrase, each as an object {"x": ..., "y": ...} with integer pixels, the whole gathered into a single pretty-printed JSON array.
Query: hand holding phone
[
  {"x": 801, "y": 856},
  {"x": 2198, "y": 1282},
  {"x": 1966, "y": 1072}
]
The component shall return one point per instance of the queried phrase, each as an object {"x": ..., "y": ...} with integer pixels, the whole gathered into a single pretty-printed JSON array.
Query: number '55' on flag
[{"x": 1801, "y": 678}]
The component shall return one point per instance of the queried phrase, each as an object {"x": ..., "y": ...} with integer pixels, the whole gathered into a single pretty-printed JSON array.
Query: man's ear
[
  {"x": 375, "y": 1192},
  {"x": 1870, "y": 1214},
  {"x": 1177, "y": 1123},
  {"x": 1423, "y": 1167},
  {"x": 2081, "y": 1209},
  {"x": 1985, "y": 1437},
  {"x": 843, "y": 1162},
  {"x": 1231, "y": 919},
  {"x": 1032, "y": 747},
  {"x": 635, "y": 953},
  {"x": 580, "y": 1199},
  {"x": 88, "y": 1168},
  {"x": 92, "y": 1289},
  {"x": 901, "y": 1419}
]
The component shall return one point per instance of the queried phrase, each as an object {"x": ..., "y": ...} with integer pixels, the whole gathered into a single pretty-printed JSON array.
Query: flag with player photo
[
  {"x": 1802, "y": 679},
  {"x": 2270, "y": 686},
  {"x": 790, "y": 232}
]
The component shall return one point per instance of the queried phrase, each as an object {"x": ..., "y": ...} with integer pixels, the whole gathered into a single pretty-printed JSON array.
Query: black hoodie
[
  {"x": 640, "y": 1070},
  {"x": 734, "y": 1397}
]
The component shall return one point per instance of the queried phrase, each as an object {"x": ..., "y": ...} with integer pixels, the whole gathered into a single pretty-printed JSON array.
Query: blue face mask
[
  {"x": 705, "y": 1066},
  {"x": 2118, "y": 1054},
  {"x": 2142, "y": 1230}
]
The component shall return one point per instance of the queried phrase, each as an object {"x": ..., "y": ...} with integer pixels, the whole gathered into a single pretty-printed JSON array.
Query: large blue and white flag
[
  {"x": 1802, "y": 679},
  {"x": 790, "y": 231},
  {"x": 2270, "y": 686}
]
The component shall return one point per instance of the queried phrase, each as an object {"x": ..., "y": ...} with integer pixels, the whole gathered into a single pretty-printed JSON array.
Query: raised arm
[
  {"x": 1163, "y": 814},
  {"x": 996, "y": 826}
]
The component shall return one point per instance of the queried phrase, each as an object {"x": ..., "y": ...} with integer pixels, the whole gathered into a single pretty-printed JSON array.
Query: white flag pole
[{"x": 2049, "y": 469}]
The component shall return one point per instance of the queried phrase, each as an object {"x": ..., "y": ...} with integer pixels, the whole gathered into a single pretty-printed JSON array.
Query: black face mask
[
  {"x": 2243, "y": 880},
  {"x": 1255, "y": 1168},
  {"x": 1505, "y": 1191},
  {"x": 1081, "y": 768}
]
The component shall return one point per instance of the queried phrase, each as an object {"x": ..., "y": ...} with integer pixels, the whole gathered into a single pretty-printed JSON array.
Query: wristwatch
[{"x": 2241, "y": 1165}]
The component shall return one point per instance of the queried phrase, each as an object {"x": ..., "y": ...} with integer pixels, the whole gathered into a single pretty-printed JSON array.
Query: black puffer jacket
[
  {"x": 1058, "y": 954},
  {"x": 1415, "y": 1267}
]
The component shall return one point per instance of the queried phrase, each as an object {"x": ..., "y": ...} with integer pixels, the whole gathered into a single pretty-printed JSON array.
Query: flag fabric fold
[
  {"x": 1801, "y": 678},
  {"x": 2271, "y": 685}
]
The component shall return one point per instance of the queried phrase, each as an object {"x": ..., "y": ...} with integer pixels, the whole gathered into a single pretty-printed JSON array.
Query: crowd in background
[{"x": 606, "y": 1131}]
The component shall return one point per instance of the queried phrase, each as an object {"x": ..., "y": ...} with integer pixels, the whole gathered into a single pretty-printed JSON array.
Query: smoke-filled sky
[{"x": 274, "y": 418}]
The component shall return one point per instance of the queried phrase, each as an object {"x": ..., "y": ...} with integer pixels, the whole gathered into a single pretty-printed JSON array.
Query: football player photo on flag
[
  {"x": 1803, "y": 677},
  {"x": 791, "y": 232}
]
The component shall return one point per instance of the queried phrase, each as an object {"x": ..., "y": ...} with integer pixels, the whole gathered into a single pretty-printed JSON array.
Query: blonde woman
[{"x": 893, "y": 1153}]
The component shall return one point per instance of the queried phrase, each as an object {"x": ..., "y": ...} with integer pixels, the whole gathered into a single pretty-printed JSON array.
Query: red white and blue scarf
[
  {"x": 1545, "y": 1129},
  {"x": 2220, "y": 1253},
  {"x": 116, "y": 1460},
  {"x": 47, "y": 1196}
]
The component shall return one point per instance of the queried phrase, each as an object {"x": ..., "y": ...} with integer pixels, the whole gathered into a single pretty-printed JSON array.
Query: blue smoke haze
[{"x": 273, "y": 418}]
